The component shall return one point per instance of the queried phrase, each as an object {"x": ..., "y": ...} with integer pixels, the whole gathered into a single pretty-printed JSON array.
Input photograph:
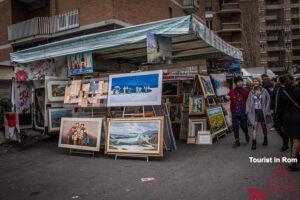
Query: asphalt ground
[{"x": 40, "y": 170}]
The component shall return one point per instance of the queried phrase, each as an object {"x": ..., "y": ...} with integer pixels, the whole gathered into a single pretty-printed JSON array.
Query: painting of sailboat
[{"x": 135, "y": 136}]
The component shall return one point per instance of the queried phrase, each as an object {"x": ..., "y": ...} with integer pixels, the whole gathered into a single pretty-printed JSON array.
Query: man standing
[
  {"x": 238, "y": 97},
  {"x": 267, "y": 83}
]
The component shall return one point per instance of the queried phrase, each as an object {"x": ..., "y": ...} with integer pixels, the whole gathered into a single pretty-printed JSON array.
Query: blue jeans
[{"x": 239, "y": 120}]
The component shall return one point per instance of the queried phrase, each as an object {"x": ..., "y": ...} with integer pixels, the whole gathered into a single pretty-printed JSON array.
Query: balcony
[
  {"x": 274, "y": 27},
  {"x": 296, "y": 37},
  {"x": 230, "y": 27},
  {"x": 190, "y": 6},
  {"x": 228, "y": 8},
  {"x": 271, "y": 17},
  {"x": 272, "y": 38},
  {"x": 43, "y": 26},
  {"x": 295, "y": 57},
  {"x": 277, "y": 48},
  {"x": 273, "y": 6},
  {"x": 273, "y": 59}
]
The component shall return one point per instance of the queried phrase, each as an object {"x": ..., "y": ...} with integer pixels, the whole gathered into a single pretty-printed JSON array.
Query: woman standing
[
  {"x": 257, "y": 108},
  {"x": 289, "y": 112}
]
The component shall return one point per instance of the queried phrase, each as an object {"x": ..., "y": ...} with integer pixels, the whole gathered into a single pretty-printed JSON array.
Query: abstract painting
[
  {"x": 55, "y": 115},
  {"x": 220, "y": 84},
  {"x": 80, "y": 133},
  {"x": 135, "y": 89},
  {"x": 135, "y": 136},
  {"x": 216, "y": 120}
]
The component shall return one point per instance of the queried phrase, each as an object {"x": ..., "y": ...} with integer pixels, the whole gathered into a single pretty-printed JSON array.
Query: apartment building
[
  {"x": 28, "y": 23},
  {"x": 280, "y": 34}
]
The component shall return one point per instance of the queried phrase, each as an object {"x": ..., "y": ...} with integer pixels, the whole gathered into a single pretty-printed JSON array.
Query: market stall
[{"x": 94, "y": 101}]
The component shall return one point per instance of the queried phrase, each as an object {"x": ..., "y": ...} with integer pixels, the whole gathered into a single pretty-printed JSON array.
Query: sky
[
  {"x": 150, "y": 79},
  {"x": 123, "y": 128}
]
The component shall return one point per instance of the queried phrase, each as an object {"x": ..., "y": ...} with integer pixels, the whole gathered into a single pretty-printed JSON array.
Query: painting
[
  {"x": 196, "y": 105},
  {"x": 216, "y": 120},
  {"x": 227, "y": 113},
  {"x": 170, "y": 88},
  {"x": 204, "y": 138},
  {"x": 196, "y": 125},
  {"x": 80, "y": 133},
  {"x": 175, "y": 113},
  {"x": 39, "y": 108},
  {"x": 55, "y": 90},
  {"x": 135, "y": 136},
  {"x": 207, "y": 86},
  {"x": 220, "y": 84},
  {"x": 135, "y": 89},
  {"x": 55, "y": 115},
  {"x": 80, "y": 63},
  {"x": 86, "y": 93},
  {"x": 35, "y": 70},
  {"x": 186, "y": 99},
  {"x": 159, "y": 49}
]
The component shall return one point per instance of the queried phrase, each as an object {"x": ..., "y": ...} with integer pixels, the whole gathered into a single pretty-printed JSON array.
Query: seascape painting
[
  {"x": 135, "y": 136},
  {"x": 135, "y": 89},
  {"x": 80, "y": 133},
  {"x": 55, "y": 115},
  {"x": 216, "y": 120}
]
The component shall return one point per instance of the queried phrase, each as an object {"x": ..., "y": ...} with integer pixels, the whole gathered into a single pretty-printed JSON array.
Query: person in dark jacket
[
  {"x": 267, "y": 83},
  {"x": 289, "y": 112},
  {"x": 274, "y": 106},
  {"x": 238, "y": 97}
]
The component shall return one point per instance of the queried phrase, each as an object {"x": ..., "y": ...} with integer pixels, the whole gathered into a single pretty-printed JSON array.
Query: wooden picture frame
[
  {"x": 216, "y": 120},
  {"x": 123, "y": 137},
  {"x": 80, "y": 133},
  {"x": 206, "y": 86},
  {"x": 173, "y": 92},
  {"x": 194, "y": 126},
  {"x": 193, "y": 106},
  {"x": 54, "y": 117}
]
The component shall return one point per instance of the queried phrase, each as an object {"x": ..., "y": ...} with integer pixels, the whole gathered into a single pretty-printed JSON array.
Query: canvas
[
  {"x": 227, "y": 113},
  {"x": 55, "y": 90},
  {"x": 196, "y": 105},
  {"x": 80, "y": 63},
  {"x": 196, "y": 125},
  {"x": 80, "y": 133},
  {"x": 135, "y": 89},
  {"x": 207, "y": 86},
  {"x": 55, "y": 115},
  {"x": 135, "y": 136},
  {"x": 220, "y": 84},
  {"x": 216, "y": 120}
]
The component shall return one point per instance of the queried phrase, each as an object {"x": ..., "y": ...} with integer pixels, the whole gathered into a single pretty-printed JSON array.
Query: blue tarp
[{"x": 124, "y": 36}]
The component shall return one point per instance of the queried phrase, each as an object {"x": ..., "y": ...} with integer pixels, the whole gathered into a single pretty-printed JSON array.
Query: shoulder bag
[{"x": 292, "y": 100}]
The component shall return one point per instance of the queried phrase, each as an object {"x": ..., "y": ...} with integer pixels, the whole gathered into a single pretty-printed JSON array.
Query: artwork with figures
[
  {"x": 196, "y": 125},
  {"x": 220, "y": 84},
  {"x": 206, "y": 85},
  {"x": 55, "y": 90},
  {"x": 135, "y": 89},
  {"x": 196, "y": 105},
  {"x": 35, "y": 70},
  {"x": 135, "y": 136},
  {"x": 86, "y": 93},
  {"x": 80, "y": 63},
  {"x": 216, "y": 120},
  {"x": 55, "y": 115},
  {"x": 80, "y": 133}
]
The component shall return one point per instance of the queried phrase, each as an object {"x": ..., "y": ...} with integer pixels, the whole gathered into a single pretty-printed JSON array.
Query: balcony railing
[
  {"x": 230, "y": 8},
  {"x": 190, "y": 6},
  {"x": 43, "y": 25}
]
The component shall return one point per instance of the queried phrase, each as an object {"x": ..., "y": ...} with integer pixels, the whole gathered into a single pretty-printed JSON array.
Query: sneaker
[{"x": 236, "y": 144}]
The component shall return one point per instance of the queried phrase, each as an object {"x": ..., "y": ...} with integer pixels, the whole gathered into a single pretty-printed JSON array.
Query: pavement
[{"x": 41, "y": 170}]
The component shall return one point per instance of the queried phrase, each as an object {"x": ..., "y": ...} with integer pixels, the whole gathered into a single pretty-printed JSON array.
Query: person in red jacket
[{"x": 238, "y": 97}]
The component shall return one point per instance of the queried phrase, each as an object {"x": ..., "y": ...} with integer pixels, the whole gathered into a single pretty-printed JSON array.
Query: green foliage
[{"x": 5, "y": 106}]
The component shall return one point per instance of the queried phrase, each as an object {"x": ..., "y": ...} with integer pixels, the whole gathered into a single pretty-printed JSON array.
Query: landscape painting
[
  {"x": 196, "y": 105},
  {"x": 135, "y": 136},
  {"x": 216, "y": 120},
  {"x": 80, "y": 133},
  {"x": 56, "y": 90},
  {"x": 135, "y": 89},
  {"x": 55, "y": 115}
]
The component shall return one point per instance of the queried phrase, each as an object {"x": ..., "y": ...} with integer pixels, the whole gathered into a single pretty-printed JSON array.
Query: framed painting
[
  {"x": 196, "y": 125},
  {"x": 135, "y": 136},
  {"x": 170, "y": 89},
  {"x": 54, "y": 117},
  {"x": 135, "y": 89},
  {"x": 204, "y": 138},
  {"x": 216, "y": 120},
  {"x": 196, "y": 105},
  {"x": 206, "y": 85},
  {"x": 220, "y": 84},
  {"x": 80, "y": 63},
  {"x": 175, "y": 113},
  {"x": 55, "y": 90},
  {"x": 80, "y": 133}
]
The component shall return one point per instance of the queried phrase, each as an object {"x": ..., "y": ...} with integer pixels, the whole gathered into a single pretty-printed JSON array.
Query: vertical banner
[
  {"x": 159, "y": 49},
  {"x": 80, "y": 63}
]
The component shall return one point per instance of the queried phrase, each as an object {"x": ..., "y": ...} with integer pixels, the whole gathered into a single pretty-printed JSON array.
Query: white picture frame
[
  {"x": 135, "y": 89},
  {"x": 60, "y": 93}
]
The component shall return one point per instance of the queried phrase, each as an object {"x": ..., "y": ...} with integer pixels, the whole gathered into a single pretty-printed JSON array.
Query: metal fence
[{"x": 44, "y": 25}]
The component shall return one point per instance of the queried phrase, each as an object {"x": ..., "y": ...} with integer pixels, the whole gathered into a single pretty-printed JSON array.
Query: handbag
[{"x": 295, "y": 103}]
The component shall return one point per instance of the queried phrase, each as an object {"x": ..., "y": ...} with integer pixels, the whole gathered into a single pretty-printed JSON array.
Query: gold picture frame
[
  {"x": 193, "y": 107},
  {"x": 206, "y": 86}
]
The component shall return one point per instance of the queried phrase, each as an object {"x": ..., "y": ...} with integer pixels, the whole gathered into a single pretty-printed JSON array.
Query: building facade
[{"x": 28, "y": 23}]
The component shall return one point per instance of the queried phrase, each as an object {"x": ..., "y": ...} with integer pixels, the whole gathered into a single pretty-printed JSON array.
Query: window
[
  {"x": 170, "y": 12},
  {"x": 209, "y": 24}
]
